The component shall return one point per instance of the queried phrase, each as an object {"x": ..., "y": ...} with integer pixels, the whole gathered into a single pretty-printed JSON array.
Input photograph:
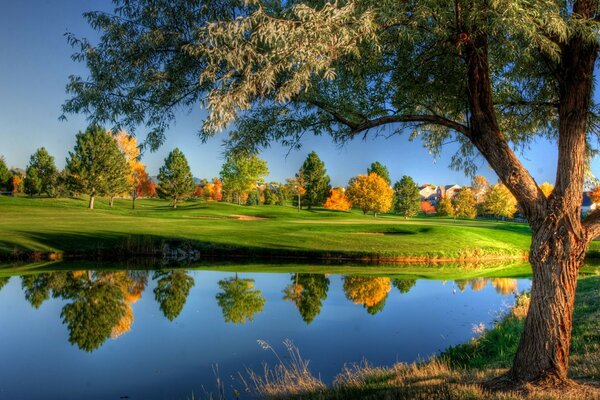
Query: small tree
[
  {"x": 381, "y": 170},
  {"x": 5, "y": 175},
  {"x": 406, "y": 197},
  {"x": 176, "y": 180},
  {"x": 445, "y": 208},
  {"x": 96, "y": 166},
  {"x": 370, "y": 193},
  {"x": 316, "y": 180},
  {"x": 41, "y": 174},
  {"x": 464, "y": 204},
  {"x": 337, "y": 200},
  {"x": 295, "y": 187},
  {"x": 500, "y": 202},
  {"x": 547, "y": 188}
]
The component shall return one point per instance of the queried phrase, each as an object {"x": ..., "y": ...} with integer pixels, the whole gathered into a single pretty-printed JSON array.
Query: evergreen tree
[
  {"x": 176, "y": 180},
  {"x": 32, "y": 184},
  {"x": 407, "y": 201},
  {"x": 5, "y": 176},
  {"x": 172, "y": 290},
  {"x": 269, "y": 197},
  {"x": 381, "y": 170},
  {"x": 238, "y": 299},
  {"x": 41, "y": 174},
  {"x": 96, "y": 166},
  {"x": 307, "y": 291},
  {"x": 316, "y": 181}
]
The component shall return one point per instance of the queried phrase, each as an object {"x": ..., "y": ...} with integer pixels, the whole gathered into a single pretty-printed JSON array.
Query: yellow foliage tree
[
  {"x": 547, "y": 188},
  {"x": 505, "y": 285},
  {"x": 337, "y": 200},
  {"x": 137, "y": 179},
  {"x": 368, "y": 291},
  {"x": 370, "y": 193}
]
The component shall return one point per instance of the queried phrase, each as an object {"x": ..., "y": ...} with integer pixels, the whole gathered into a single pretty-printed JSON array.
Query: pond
[{"x": 166, "y": 334}]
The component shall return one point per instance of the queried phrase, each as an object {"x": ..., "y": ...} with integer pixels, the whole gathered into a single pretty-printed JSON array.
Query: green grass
[{"x": 66, "y": 226}]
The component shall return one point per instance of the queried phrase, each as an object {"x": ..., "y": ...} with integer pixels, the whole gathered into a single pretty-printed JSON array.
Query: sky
[{"x": 35, "y": 65}]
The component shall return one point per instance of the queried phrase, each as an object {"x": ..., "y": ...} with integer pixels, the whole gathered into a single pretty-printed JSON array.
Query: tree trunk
[
  {"x": 175, "y": 203},
  {"x": 133, "y": 202},
  {"x": 111, "y": 200},
  {"x": 91, "y": 206},
  {"x": 557, "y": 252}
]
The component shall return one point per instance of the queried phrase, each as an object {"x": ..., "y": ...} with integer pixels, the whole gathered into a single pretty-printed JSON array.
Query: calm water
[{"x": 158, "y": 335}]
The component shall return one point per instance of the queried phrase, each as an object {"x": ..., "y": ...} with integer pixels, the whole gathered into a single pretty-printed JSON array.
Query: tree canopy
[
  {"x": 176, "y": 179},
  {"x": 407, "y": 200},
  {"x": 41, "y": 174}
]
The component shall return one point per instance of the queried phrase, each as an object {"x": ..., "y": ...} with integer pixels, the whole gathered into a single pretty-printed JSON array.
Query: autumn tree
[
  {"x": 381, "y": 170},
  {"x": 480, "y": 187},
  {"x": 547, "y": 188},
  {"x": 296, "y": 187},
  {"x": 370, "y": 193},
  {"x": 427, "y": 208},
  {"x": 337, "y": 200},
  {"x": 595, "y": 195},
  {"x": 172, "y": 290},
  {"x": 175, "y": 177},
  {"x": 41, "y": 174},
  {"x": 241, "y": 174},
  {"x": 447, "y": 71},
  {"x": 138, "y": 180},
  {"x": 406, "y": 197},
  {"x": 96, "y": 166},
  {"x": 371, "y": 292},
  {"x": 464, "y": 204},
  {"x": 445, "y": 208},
  {"x": 238, "y": 300},
  {"x": 500, "y": 202},
  {"x": 315, "y": 179}
]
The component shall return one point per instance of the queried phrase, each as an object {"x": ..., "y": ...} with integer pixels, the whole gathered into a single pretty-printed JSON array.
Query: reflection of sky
[{"x": 159, "y": 359}]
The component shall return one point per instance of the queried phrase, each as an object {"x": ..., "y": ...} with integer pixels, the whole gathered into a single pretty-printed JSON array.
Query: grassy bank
[
  {"x": 458, "y": 372},
  {"x": 67, "y": 227}
]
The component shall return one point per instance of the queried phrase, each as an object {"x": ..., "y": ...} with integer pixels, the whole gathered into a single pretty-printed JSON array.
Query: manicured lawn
[{"x": 67, "y": 226}]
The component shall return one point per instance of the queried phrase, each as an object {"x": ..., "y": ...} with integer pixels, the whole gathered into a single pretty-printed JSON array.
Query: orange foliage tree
[
  {"x": 17, "y": 184},
  {"x": 217, "y": 190},
  {"x": 370, "y": 193},
  {"x": 337, "y": 200},
  {"x": 371, "y": 292},
  {"x": 427, "y": 208},
  {"x": 199, "y": 192},
  {"x": 595, "y": 195}
]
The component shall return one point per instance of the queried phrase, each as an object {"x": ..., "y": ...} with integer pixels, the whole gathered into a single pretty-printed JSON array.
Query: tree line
[{"x": 109, "y": 165}]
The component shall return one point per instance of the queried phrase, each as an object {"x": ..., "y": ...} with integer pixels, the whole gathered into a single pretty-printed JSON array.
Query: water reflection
[
  {"x": 307, "y": 292},
  {"x": 99, "y": 304},
  {"x": 238, "y": 299}
]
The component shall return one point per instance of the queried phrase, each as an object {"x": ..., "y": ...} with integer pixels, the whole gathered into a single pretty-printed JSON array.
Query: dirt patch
[{"x": 247, "y": 217}]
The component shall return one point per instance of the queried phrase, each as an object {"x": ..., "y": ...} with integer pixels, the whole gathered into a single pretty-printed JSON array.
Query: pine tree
[
  {"x": 32, "y": 184},
  {"x": 381, "y": 170},
  {"x": 96, "y": 166},
  {"x": 5, "y": 175},
  {"x": 316, "y": 181},
  {"x": 176, "y": 180},
  {"x": 407, "y": 201}
]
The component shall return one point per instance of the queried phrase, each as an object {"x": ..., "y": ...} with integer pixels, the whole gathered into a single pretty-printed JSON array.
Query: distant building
[
  {"x": 449, "y": 191},
  {"x": 428, "y": 192}
]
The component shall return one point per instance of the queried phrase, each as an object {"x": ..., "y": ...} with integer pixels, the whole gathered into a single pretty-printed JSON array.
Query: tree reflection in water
[
  {"x": 172, "y": 290},
  {"x": 238, "y": 299},
  {"x": 307, "y": 292},
  {"x": 371, "y": 292}
]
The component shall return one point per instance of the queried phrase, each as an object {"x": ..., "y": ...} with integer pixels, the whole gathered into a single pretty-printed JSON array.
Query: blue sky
[{"x": 35, "y": 63}]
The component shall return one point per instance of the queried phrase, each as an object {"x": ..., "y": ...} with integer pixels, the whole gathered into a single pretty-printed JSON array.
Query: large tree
[
  {"x": 316, "y": 181},
  {"x": 41, "y": 174},
  {"x": 489, "y": 75},
  {"x": 176, "y": 179},
  {"x": 96, "y": 166},
  {"x": 241, "y": 173},
  {"x": 407, "y": 201}
]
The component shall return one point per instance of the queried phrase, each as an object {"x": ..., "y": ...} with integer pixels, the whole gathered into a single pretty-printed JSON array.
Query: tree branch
[{"x": 591, "y": 223}]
